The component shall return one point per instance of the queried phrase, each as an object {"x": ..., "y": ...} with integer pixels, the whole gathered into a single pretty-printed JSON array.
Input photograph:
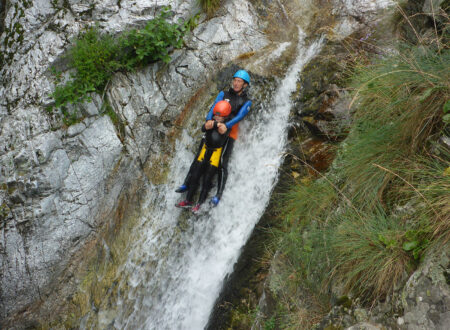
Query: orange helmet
[{"x": 222, "y": 109}]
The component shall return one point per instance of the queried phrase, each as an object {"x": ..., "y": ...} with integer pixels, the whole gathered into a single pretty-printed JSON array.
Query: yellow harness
[{"x": 215, "y": 157}]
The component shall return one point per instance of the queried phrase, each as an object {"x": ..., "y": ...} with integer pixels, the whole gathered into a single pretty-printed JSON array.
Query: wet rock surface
[
  {"x": 319, "y": 118},
  {"x": 59, "y": 184},
  {"x": 322, "y": 104}
]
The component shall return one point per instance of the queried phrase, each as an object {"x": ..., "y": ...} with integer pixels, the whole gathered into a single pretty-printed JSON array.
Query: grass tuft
[
  {"x": 209, "y": 6},
  {"x": 364, "y": 226},
  {"x": 368, "y": 254},
  {"x": 400, "y": 103}
]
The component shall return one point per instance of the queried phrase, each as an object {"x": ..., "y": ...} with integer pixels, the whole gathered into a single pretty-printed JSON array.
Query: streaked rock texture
[{"x": 59, "y": 184}]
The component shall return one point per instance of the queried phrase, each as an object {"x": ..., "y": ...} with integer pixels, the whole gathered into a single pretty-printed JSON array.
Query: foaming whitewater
[{"x": 174, "y": 275}]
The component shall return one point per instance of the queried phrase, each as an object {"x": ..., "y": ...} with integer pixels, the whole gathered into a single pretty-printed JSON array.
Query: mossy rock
[
  {"x": 344, "y": 301},
  {"x": 324, "y": 70}
]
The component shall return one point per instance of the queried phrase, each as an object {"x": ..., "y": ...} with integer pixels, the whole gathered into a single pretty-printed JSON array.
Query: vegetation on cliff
[
  {"x": 95, "y": 57},
  {"x": 209, "y": 6},
  {"x": 360, "y": 229}
]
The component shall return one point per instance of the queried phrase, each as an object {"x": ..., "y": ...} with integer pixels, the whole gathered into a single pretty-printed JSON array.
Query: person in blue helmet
[{"x": 240, "y": 106}]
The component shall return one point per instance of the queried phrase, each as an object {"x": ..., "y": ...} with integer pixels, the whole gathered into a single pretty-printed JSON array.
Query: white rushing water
[{"x": 173, "y": 276}]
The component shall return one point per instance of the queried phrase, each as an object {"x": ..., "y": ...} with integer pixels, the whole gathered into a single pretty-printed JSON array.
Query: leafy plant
[
  {"x": 415, "y": 243},
  {"x": 95, "y": 57},
  {"x": 446, "y": 110},
  {"x": 270, "y": 324},
  {"x": 152, "y": 43},
  {"x": 192, "y": 22},
  {"x": 93, "y": 60}
]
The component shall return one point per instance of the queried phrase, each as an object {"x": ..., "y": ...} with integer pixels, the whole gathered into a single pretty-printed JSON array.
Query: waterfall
[{"x": 177, "y": 262}]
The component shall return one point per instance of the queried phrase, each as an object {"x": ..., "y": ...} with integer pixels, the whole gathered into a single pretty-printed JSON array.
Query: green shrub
[
  {"x": 93, "y": 60},
  {"x": 152, "y": 43},
  {"x": 95, "y": 57}
]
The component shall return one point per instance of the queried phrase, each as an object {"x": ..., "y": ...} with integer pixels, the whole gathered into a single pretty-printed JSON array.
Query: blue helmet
[{"x": 243, "y": 75}]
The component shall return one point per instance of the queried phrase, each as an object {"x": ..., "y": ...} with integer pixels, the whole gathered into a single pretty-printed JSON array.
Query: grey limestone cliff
[{"x": 60, "y": 185}]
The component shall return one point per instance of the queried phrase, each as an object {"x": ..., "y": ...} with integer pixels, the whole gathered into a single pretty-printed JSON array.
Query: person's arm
[
  {"x": 214, "y": 126},
  {"x": 210, "y": 114},
  {"x": 241, "y": 114}
]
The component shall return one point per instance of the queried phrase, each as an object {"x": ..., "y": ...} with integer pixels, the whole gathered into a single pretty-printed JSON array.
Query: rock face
[
  {"x": 423, "y": 303},
  {"x": 426, "y": 296},
  {"x": 322, "y": 103},
  {"x": 58, "y": 185}
]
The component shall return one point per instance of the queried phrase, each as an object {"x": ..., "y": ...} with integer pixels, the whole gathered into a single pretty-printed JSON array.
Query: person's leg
[
  {"x": 223, "y": 170},
  {"x": 194, "y": 180},
  {"x": 196, "y": 171},
  {"x": 187, "y": 181},
  {"x": 207, "y": 183}
]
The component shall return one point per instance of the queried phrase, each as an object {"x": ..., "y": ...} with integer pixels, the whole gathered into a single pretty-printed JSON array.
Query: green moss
[
  {"x": 18, "y": 28},
  {"x": 11, "y": 189},
  {"x": 242, "y": 319},
  {"x": 209, "y": 6},
  {"x": 118, "y": 123},
  {"x": 13, "y": 33},
  {"x": 4, "y": 211},
  {"x": 99, "y": 281},
  {"x": 70, "y": 117},
  {"x": 344, "y": 301},
  {"x": 27, "y": 3}
]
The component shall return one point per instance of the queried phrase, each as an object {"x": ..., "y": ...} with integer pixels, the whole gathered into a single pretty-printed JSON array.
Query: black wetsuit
[
  {"x": 240, "y": 105},
  {"x": 207, "y": 163}
]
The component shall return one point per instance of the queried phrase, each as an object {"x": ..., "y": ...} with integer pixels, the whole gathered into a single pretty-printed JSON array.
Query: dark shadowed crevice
[{"x": 2, "y": 15}]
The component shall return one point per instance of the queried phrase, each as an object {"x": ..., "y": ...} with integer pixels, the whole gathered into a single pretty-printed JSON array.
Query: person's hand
[
  {"x": 222, "y": 128},
  {"x": 209, "y": 124}
]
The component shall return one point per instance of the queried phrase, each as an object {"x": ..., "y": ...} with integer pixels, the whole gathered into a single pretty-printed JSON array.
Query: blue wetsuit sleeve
[
  {"x": 241, "y": 114},
  {"x": 219, "y": 97}
]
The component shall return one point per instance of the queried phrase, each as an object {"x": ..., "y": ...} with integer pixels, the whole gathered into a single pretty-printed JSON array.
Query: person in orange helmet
[
  {"x": 240, "y": 106},
  {"x": 207, "y": 160}
]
